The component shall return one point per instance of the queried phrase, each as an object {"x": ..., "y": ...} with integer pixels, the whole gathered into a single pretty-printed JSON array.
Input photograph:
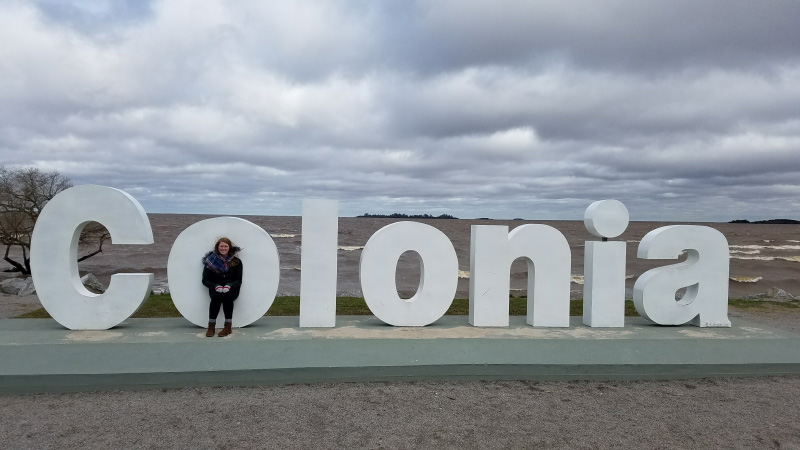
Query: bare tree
[{"x": 23, "y": 194}]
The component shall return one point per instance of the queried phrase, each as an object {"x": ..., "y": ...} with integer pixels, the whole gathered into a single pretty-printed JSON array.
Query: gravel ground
[
  {"x": 709, "y": 413},
  {"x": 13, "y": 305}
]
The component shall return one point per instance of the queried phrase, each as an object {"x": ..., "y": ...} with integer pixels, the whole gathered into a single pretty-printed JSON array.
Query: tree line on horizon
[
  {"x": 769, "y": 222},
  {"x": 407, "y": 216}
]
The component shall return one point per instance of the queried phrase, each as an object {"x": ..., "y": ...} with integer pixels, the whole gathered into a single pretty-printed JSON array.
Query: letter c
[{"x": 54, "y": 257}]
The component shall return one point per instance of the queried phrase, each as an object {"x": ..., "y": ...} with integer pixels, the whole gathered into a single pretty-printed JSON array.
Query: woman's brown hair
[{"x": 231, "y": 252}]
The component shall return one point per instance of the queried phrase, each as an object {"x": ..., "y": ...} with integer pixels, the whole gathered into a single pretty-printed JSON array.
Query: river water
[{"x": 762, "y": 256}]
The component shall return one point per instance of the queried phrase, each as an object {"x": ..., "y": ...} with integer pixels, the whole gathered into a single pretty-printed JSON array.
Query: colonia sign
[{"x": 493, "y": 248}]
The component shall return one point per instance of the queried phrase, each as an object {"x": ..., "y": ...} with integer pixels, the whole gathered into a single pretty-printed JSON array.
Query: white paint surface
[
  {"x": 438, "y": 282},
  {"x": 547, "y": 254},
  {"x": 54, "y": 256},
  {"x": 318, "y": 263},
  {"x": 705, "y": 273},
  {"x": 606, "y": 218},
  {"x": 259, "y": 257},
  {"x": 489, "y": 281},
  {"x": 604, "y": 284}
]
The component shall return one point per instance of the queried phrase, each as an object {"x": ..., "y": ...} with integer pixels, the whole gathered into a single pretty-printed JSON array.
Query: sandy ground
[{"x": 709, "y": 413}]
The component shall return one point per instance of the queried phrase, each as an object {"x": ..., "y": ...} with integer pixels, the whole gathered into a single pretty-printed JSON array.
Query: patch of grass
[
  {"x": 158, "y": 306},
  {"x": 37, "y": 314},
  {"x": 284, "y": 306},
  {"x": 352, "y": 306},
  {"x": 517, "y": 307},
  {"x": 345, "y": 306},
  {"x": 747, "y": 303}
]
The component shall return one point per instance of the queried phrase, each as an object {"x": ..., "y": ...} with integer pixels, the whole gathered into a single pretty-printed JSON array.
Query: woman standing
[{"x": 222, "y": 275}]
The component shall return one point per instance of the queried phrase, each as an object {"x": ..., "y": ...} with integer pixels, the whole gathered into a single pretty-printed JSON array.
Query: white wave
[
  {"x": 745, "y": 252},
  {"x": 463, "y": 274},
  {"x": 579, "y": 279},
  {"x": 766, "y": 247},
  {"x": 746, "y": 279},
  {"x": 291, "y": 268},
  {"x": 350, "y": 248},
  {"x": 768, "y": 258},
  {"x": 279, "y": 235}
]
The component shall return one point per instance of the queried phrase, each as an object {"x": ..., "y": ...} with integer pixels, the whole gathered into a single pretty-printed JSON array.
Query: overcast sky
[{"x": 681, "y": 109}]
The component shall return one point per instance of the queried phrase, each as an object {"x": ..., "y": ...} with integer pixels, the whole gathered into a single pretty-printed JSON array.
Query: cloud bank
[{"x": 682, "y": 110}]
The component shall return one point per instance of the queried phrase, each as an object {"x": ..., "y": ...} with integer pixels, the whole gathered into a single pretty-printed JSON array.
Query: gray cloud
[{"x": 683, "y": 110}]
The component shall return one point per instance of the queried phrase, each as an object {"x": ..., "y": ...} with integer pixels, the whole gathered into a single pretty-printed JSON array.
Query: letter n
[{"x": 547, "y": 253}]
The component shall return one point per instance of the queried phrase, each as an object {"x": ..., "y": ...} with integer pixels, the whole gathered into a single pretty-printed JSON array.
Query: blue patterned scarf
[{"x": 216, "y": 262}]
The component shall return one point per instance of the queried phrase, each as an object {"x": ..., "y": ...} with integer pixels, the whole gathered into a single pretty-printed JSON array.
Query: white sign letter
[
  {"x": 318, "y": 263},
  {"x": 489, "y": 272},
  {"x": 604, "y": 265},
  {"x": 547, "y": 253},
  {"x": 438, "y": 281},
  {"x": 54, "y": 257},
  {"x": 260, "y": 262},
  {"x": 704, "y": 274}
]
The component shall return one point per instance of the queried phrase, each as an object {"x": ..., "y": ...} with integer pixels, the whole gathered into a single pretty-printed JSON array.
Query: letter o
[
  {"x": 261, "y": 269},
  {"x": 438, "y": 281}
]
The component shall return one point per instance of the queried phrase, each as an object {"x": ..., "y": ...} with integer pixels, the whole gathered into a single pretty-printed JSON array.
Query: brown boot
[
  {"x": 211, "y": 329},
  {"x": 225, "y": 330}
]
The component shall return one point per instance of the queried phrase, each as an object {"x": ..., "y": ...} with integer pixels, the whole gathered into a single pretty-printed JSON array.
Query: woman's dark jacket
[{"x": 233, "y": 277}]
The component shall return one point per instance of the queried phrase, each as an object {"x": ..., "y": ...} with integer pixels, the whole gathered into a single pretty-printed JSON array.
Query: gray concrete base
[{"x": 38, "y": 355}]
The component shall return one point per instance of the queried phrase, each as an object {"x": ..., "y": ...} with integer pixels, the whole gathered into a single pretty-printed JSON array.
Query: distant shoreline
[
  {"x": 406, "y": 216},
  {"x": 769, "y": 222}
]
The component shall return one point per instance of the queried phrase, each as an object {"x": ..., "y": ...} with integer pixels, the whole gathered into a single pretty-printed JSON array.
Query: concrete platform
[{"x": 38, "y": 355}]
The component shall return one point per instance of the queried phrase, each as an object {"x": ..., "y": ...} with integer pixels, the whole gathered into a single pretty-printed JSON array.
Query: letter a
[{"x": 704, "y": 274}]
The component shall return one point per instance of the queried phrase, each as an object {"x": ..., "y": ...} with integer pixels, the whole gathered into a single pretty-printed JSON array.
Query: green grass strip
[
  {"x": 161, "y": 306},
  {"x": 742, "y": 303}
]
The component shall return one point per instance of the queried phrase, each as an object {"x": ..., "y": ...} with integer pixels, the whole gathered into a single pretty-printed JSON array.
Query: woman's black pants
[{"x": 217, "y": 299}]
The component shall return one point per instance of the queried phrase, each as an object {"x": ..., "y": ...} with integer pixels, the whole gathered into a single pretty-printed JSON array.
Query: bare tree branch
[
  {"x": 23, "y": 194},
  {"x": 99, "y": 236},
  {"x": 17, "y": 266}
]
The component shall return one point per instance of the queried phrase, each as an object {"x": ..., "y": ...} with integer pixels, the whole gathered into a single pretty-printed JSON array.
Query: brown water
[{"x": 762, "y": 256}]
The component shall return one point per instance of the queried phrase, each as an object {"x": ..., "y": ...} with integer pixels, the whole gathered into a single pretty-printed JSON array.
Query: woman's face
[{"x": 223, "y": 248}]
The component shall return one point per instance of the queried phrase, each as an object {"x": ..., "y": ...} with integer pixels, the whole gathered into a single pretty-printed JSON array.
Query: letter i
[{"x": 604, "y": 265}]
